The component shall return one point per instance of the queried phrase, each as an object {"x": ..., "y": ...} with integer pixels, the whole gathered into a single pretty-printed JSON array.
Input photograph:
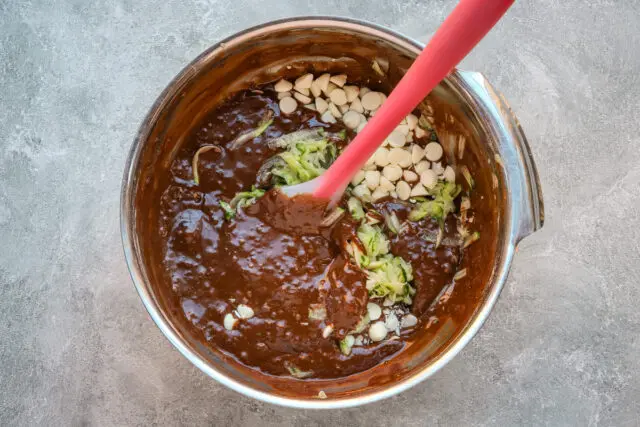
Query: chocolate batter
[{"x": 275, "y": 256}]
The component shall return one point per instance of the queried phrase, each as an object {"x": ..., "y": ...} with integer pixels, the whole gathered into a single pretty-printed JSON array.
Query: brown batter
[{"x": 275, "y": 257}]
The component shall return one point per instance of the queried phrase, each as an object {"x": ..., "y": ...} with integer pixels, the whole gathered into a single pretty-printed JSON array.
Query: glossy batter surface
[{"x": 275, "y": 256}]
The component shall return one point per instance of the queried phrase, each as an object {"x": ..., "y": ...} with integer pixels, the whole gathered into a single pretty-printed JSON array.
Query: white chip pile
[{"x": 406, "y": 167}]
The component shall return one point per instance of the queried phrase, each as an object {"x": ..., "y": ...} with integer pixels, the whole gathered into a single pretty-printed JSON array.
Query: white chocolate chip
[
  {"x": 364, "y": 91},
  {"x": 339, "y": 79},
  {"x": 371, "y": 100},
  {"x": 335, "y": 111},
  {"x": 330, "y": 88},
  {"x": 408, "y": 321},
  {"x": 420, "y": 133},
  {"x": 288, "y": 105},
  {"x": 417, "y": 153},
  {"x": 351, "y": 119},
  {"x": 396, "y": 139},
  {"x": 410, "y": 136},
  {"x": 372, "y": 178},
  {"x": 328, "y": 330},
  {"x": 362, "y": 192},
  {"x": 229, "y": 321},
  {"x": 433, "y": 151},
  {"x": 370, "y": 167},
  {"x": 422, "y": 166},
  {"x": 449, "y": 174},
  {"x": 327, "y": 117},
  {"x": 323, "y": 81},
  {"x": 419, "y": 190},
  {"x": 403, "y": 189},
  {"x": 393, "y": 194},
  {"x": 429, "y": 179},
  {"x": 412, "y": 121},
  {"x": 404, "y": 129},
  {"x": 410, "y": 176},
  {"x": 310, "y": 107},
  {"x": 405, "y": 160},
  {"x": 382, "y": 157},
  {"x": 374, "y": 311},
  {"x": 392, "y": 172},
  {"x": 283, "y": 86},
  {"x": 361, "y": 126},
  {"x": 378, "y": 194},
  {"x": 304, "y": 82},
  {"x": 386, "y": 185},
  {"x": 400, "y": 156},
  {"x": 437, "y": 168},
  {"x": 282, "y": 95},
  {"x": 244, "y": 311},
  {"x": 356, "y": 106},
  {"x": 302, "y": 98},
  {"x": 371, "y": 162},
  {"x": 315, "y": 89},
  {"x": 321, "y": 105},
  {"x": 305, "y": 92},
  {"x": 377, "y": 331},
  {"x": 352, "y": 92},
  {"x": 343, "y": 108},
  {"x": 338, "y": 97},
  {"x": 391, "y": 322},
  {"x": 357, "y": 178}
]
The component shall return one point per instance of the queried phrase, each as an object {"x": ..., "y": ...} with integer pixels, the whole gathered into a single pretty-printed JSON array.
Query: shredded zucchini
[
  {"x": 297, "y": 372},
  {"x": 444, "y": 193},
  {"x": 387, "y": 275},
  {"x": 355, "y": 208},
  {"x": 303, "y": 161},
  {"x": 253, "y": 133},
  {"x": 229, "y": 212},
  {"x": 240, "y": 200}
]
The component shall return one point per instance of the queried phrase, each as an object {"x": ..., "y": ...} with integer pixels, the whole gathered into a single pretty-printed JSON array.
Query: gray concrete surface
[{"x": 76, "y": 346}]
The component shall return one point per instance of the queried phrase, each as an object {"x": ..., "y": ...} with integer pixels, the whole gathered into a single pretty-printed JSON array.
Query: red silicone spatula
[{"x": 458, "y": 34}]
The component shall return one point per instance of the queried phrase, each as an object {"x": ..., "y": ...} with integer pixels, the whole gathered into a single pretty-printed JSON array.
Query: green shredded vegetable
[
  {"x": 362, "y": 324},
  {"x": 246, "y": 198},
  {"x": 346, "y": 343},
  {"x": 470, "y": 239},
  {"x": 254, "y": 133},
  {"x": 391, "y": 279},
  {"x": 240, "y": 200},
  {"x": 374, "y": 240},
  {"x": 303, "y": 160},
  {"x": 387, "y": 275},
  {"x": 467, "y": 176},
  {"x": 358, "y": 256},
  {"x": 229, "y": 212},
  {"x": 355, "y": 208},
  {"x": 393, "y": 223},
  {"x": 444, "y": 193},
  {"x": 297, "y": 372}
]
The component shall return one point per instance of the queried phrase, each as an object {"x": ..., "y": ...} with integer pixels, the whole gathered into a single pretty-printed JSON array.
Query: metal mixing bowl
[{"x": 499, "y": 157}]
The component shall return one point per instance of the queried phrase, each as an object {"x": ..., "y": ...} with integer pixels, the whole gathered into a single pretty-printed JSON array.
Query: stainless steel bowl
[{"x": 498, "y": 151}]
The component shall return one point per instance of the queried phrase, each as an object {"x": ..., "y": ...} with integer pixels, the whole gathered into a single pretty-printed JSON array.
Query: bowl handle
[{"x": 526, "y": 192}]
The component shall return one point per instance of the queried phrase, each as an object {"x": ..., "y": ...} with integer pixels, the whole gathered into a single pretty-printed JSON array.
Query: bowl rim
[{"x": 139, "y": 278}]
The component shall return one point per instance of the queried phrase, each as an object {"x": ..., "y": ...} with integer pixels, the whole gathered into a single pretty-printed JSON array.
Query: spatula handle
[{"x": 467, "y": 24}]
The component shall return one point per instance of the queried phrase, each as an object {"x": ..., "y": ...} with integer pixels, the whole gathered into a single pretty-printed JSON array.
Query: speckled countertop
[{"x": 77, "y": 347}]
